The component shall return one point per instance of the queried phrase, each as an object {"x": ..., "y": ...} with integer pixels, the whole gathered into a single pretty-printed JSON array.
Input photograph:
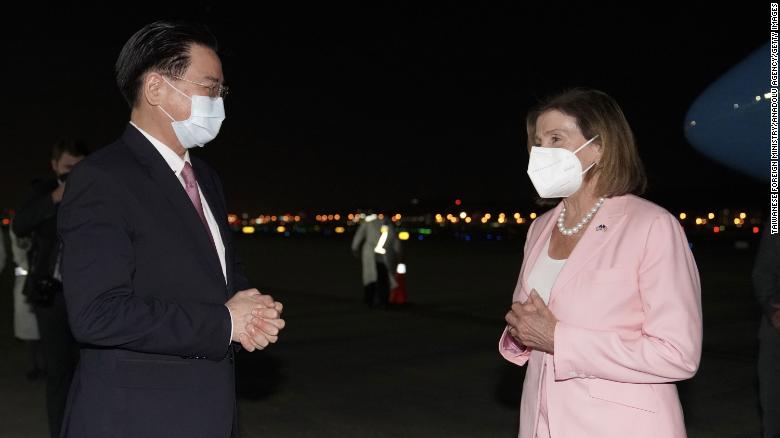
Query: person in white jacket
[{"x": 376, "y": 243}]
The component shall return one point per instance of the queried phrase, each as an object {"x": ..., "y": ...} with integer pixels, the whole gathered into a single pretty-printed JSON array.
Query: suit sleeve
[
  {"x": 668, "y": 348},
  {"x": 766, "y": 273},
  {"x": 240, "y": 280},
  {"x": 97, "y": 267}
]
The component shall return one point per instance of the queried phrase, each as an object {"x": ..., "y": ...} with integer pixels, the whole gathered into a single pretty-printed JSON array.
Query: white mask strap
[
  {"x": 586, "y": 143},
  {"x": 166, "y": 113},
  {"x": 591, "y": 165}
]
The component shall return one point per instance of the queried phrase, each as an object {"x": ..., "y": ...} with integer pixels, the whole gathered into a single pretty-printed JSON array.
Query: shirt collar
[{"x": 175, "y": 162}]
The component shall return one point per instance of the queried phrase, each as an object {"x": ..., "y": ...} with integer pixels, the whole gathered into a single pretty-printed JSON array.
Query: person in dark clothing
[
  {"x": 37, "y": 219},
  {"x": 766, "y": 283}
]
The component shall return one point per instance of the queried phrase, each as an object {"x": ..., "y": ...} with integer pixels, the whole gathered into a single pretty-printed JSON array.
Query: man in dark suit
[
  {"x": 154, "y": 289},
  {"x": 766, "y": 283},
  {"x": 37, "y": 219}
]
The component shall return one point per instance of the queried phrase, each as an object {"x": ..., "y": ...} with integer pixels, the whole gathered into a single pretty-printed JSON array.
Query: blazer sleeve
[
  {"x": 766, "y": 273},
  {"x": 510, "y": 349},
  {"x": 668, "y": 348},
  {"x": 97, "y": 267}
]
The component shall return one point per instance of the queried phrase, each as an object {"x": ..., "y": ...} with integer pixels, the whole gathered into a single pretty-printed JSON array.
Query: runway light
[
  {"x": 468, "y": 220},
  {"x": 742, "y": 215},
  {"x": 532, "y": 215},
  {"x": 401, "y": 268},
  {"x": 711, "y": 216},
  {"x": 517, "y": 216},
  {"x": 698, "y": 221},
  {"x": 683, "y": 216},
  {"x": 339, "y": 230},
  {"x": 737, "y": 221},
  {"x": 403, "y": 235},
  {"x": 755, "y": 230},
  {"x": 462, "y": 215},
  {"x": 767, "y": 95},
  {"x": 248, "y": 230},
  {"x": 281, "y": 229},
  {"x": 488, "y": 216},
  {"x": 758, "y": 98}
]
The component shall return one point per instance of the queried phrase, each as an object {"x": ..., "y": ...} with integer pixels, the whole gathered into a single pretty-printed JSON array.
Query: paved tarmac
[{"x": 429, "y": 369}]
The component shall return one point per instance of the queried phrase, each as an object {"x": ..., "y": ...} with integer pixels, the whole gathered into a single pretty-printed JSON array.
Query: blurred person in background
[
  {"x": 25, "y": 324},
  {"x": 36, "y": 220},
  {"x": 766, "y": 284},
  {"x": 377, "y": 245}
]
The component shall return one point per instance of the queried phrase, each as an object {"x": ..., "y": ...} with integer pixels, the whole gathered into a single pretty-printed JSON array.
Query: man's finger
[
  {"x": 265, "y": 312},
  {"x": 246, "y": 342}
]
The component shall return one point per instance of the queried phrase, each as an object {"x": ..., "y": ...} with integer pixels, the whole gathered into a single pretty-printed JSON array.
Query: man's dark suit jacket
[{"x": 145, "y": 295}]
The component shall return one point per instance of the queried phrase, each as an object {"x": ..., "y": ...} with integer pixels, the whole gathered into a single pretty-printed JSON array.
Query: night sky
[{"x": 335, "y": 108}]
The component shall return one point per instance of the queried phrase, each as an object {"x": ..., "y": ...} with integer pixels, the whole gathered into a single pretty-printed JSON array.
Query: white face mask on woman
[
  {"x": 206, "y": 116},
  {"x": 556, "y": 172}
]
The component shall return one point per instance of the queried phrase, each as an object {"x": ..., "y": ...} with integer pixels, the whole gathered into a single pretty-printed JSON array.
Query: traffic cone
[{"x": 398, "y": 294}]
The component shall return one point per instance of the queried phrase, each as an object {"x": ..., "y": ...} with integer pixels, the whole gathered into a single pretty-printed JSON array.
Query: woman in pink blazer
[{"x": 607, "y": 309}]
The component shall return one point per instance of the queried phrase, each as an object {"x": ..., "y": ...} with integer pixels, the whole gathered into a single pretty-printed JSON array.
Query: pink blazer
[{"x": 628, "y": 301}]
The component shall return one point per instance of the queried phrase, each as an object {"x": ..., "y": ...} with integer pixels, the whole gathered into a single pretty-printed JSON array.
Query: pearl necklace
[{"x": 576, "y": 228}]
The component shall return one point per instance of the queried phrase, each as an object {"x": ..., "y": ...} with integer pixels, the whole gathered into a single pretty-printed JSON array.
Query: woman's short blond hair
[{"x": 620, "y": 169}]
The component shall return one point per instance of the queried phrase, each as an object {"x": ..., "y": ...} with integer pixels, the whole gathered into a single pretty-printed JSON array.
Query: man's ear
[{"x": 152, "y": 90}]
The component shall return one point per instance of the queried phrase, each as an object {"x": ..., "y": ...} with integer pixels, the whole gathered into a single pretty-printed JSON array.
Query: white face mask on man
[
  {"x": 556, "y": 172},
  {"x": 206, "y": 116}
]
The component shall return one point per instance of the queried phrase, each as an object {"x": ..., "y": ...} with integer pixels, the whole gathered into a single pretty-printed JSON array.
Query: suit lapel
[
  {"x": 210, "y": 192},
  {"x": 170, "y": 186},
  {"x": 611, "y": 216}
]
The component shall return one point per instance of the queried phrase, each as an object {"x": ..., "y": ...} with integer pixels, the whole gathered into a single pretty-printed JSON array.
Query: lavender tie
[{"x": 191, "y": 186}]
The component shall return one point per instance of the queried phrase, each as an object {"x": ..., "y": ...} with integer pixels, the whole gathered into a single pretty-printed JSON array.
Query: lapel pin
[{"x": 601, "y": 227}]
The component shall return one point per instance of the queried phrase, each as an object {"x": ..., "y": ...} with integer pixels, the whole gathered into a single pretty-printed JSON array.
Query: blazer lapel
[
  {"x": 604, "y": 225},
  {"x": 171, "y": 187}
]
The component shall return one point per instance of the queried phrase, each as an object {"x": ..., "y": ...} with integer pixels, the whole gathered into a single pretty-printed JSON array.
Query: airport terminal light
[
  {"x": 711, "y": 216},
  {"x": 462, "y": 215},
  {"x": 683, "y": 216},
  {"x": 532, "y": 215},
  {"x": 742, "y": 215}
]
